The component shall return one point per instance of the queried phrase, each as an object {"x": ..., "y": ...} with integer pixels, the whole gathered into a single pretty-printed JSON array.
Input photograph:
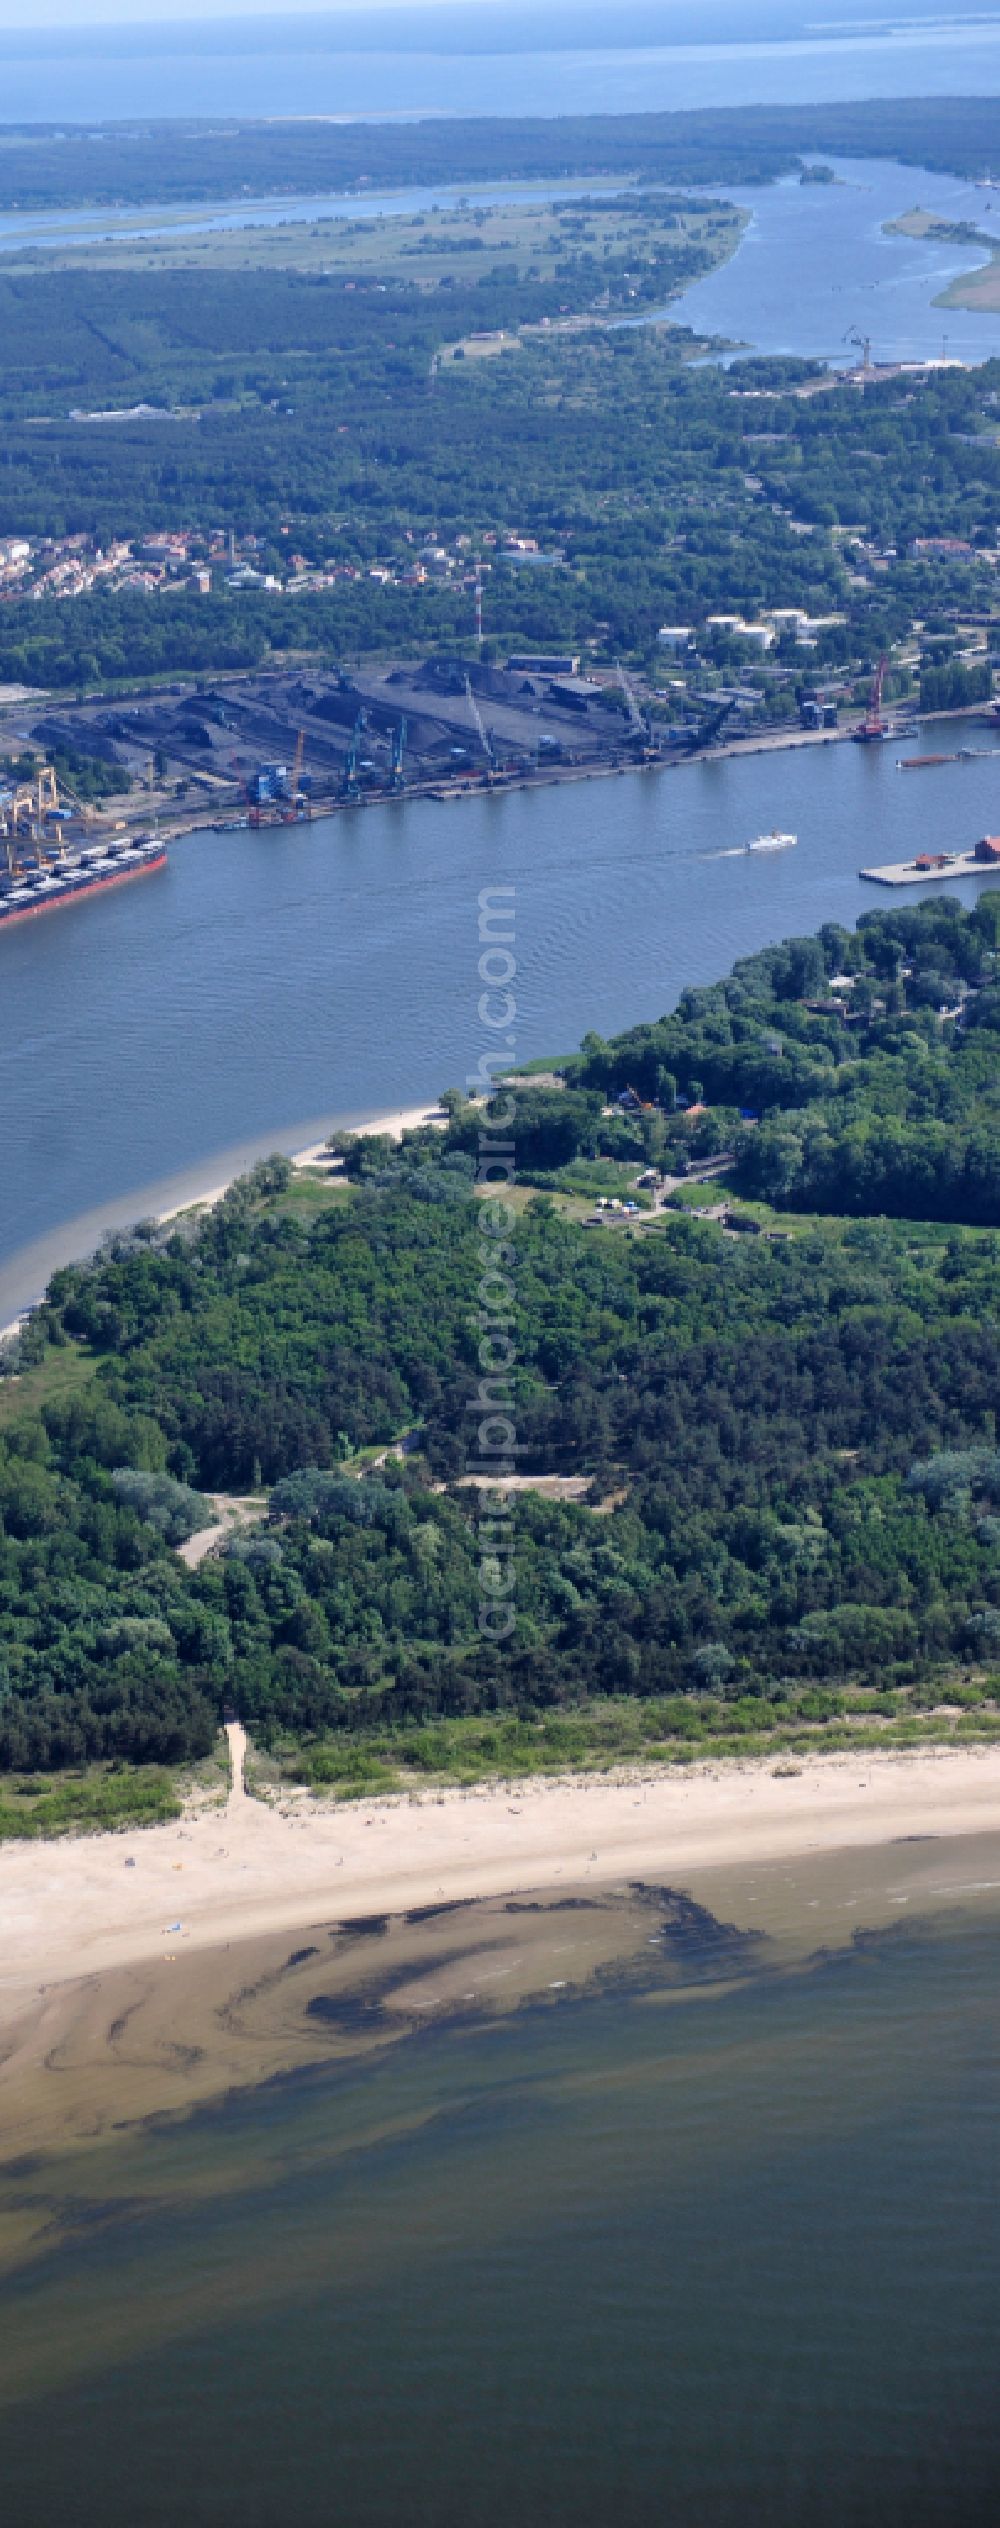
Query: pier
[{"x": 930, "y": 865}]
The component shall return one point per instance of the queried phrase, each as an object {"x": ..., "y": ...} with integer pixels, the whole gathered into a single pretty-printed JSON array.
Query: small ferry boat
[{"x": 775, "y": 841}]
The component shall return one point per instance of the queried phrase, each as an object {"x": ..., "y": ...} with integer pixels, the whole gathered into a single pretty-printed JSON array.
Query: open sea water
[
  {"x": 695, "y": 2262},
  {"x": 439, "y": 62}
]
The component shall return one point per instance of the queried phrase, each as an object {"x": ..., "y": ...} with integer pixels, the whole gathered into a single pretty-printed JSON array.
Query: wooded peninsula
[{"x": 783, "y": 1416}]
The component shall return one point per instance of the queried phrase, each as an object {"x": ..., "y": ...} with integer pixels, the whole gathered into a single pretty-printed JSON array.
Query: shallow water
[{"x": 619, "y": 2255}]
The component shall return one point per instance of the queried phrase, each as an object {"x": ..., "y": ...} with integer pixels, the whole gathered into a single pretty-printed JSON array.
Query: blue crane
[
  {"x": 351, "y": 785},
  {"x": 398, "y": 749}
]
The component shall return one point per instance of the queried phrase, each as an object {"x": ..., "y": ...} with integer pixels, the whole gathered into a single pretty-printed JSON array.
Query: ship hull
[{"x": 57, "y": 901}]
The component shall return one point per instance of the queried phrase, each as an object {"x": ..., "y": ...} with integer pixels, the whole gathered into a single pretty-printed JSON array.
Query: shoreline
[
  {"x": 80, "y": 1907},
  {"x": 29, "y": 1270},
  {"x": 25, "y": 1273},
  {"x": 400, "y": 1119}
]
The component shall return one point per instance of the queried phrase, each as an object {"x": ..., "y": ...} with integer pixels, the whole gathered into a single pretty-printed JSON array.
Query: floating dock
[{"x": 931, "y": 865}]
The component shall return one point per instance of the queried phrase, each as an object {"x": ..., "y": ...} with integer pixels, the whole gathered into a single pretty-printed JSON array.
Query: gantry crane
[{"x": 24, "y": 815}]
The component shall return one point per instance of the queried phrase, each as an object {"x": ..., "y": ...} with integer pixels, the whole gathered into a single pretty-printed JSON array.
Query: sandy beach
[
  {"x": 85, "y": 1905},
  {"x": 148, "y": 1973},
  {"x": 25, "y": 1275},
  {"x": 401, "y": 1119}
]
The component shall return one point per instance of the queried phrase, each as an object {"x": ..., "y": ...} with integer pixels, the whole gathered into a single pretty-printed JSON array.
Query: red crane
[{"x": 874, "y": 726}]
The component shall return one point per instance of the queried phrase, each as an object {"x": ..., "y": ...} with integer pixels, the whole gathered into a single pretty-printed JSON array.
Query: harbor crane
[
  {"x": 253, "y": 805},
  {"x": 482, "y": 732},
  {"x": 697, "y": 734},
  {"x": 635, "y": 719},
  {"x": 873, "y": 726},
  {"x": 863, "y": 343},
  {"x": 297, "y": 805},
  {"x": 398, "y": 750},
  {"x": 27, "y": 813},
  {"x": 638, "y": 726},
  {"x": 350, "y": 786}
]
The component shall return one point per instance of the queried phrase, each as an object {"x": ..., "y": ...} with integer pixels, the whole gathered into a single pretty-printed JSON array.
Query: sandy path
[
  {"x": 237, "y": 1737},
  {"x": 195, "y": 1548},
  {"x": 235, "y": 1510},
  {"x": 85, "y": 1904}
]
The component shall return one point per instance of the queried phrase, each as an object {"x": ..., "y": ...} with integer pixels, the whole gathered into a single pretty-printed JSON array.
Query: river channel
[
  {"x": 814, "y": 265},
  {"x": 818, "y": 264},
  {"x": 266, "y": 984}
]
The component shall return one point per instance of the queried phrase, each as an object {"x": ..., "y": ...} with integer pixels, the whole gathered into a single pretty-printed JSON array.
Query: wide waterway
[{"x": 268, "y": 983}]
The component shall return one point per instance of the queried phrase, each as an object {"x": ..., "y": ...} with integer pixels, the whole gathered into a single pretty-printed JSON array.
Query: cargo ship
[{"x": 26, "y": 892}]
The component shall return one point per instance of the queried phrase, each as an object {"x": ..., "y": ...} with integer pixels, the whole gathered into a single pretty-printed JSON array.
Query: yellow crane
[{"x": 23, "y": 814}]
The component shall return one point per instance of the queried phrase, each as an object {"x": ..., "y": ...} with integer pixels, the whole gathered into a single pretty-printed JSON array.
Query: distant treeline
[{"x": 169, "y": 162}]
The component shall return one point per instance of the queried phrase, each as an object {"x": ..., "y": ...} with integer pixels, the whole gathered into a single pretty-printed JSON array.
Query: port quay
[{"x": 279, "y": 748}]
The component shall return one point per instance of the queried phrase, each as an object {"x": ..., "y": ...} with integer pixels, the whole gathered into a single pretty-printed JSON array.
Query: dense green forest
[
  {"x": 883, "y": 1096},
  {"x": 670, "y": 491},
  {"x": 118, "y": 164},
  {"x": 790, "y": 1442}
]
